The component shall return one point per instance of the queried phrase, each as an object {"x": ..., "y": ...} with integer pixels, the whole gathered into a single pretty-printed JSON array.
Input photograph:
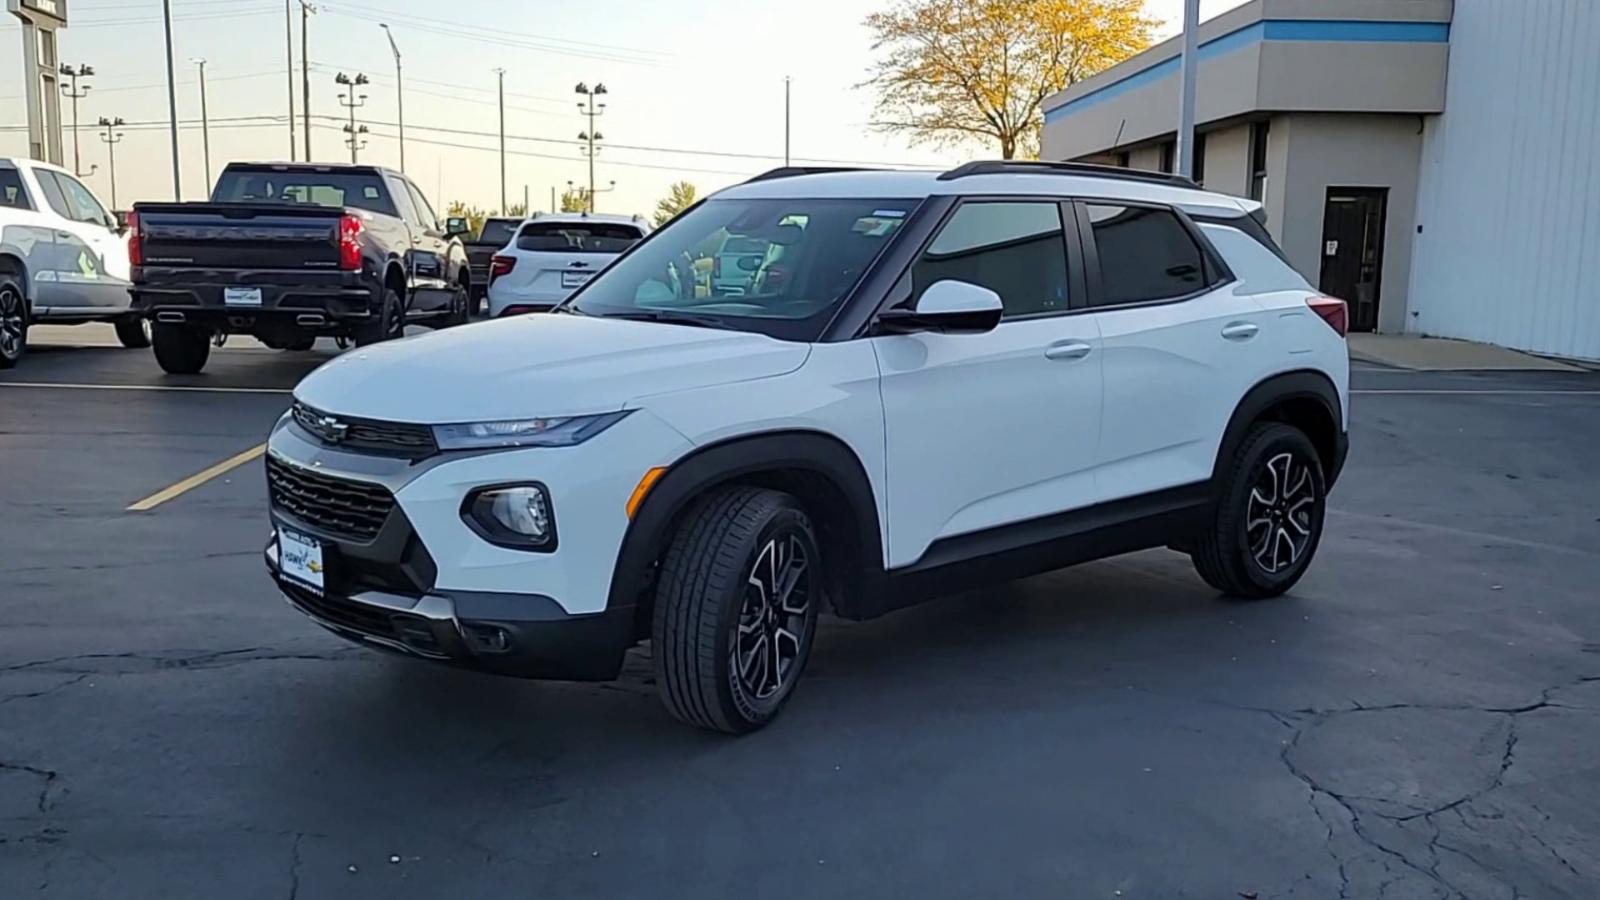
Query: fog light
[{"x": 516, "y": 515}]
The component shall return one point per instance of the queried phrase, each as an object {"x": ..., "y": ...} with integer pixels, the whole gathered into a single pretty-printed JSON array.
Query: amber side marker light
[{"x": 645, "y": 484}]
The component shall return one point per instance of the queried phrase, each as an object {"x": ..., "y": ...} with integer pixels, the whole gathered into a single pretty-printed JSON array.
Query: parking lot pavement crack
[
  {"x": 49, "y": 690},
  {"x": 144, "y": 663},
  {"x": 294, "y": 866},
  {"x": 136, "y": 563},
  {"x": 47, "y": 778}
]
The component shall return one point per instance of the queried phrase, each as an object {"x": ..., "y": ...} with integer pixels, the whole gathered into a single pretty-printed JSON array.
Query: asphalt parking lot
[{"x": 1418, "y": 719}]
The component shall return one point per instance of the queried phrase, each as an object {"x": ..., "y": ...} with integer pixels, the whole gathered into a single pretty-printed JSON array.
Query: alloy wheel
[
  {"x": 11, "y": 322},
  {"x": 769, "y": 629},
  {"x": 1278, "y": 514}
]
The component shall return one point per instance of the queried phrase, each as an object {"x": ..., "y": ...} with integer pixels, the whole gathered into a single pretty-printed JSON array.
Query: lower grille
[
  {"x": 413, "y": 631},
  {"x": 339, "y": 506}
]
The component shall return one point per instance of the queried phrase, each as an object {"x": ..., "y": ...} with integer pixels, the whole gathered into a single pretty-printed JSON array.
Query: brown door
[{"x": 1352, "y": 251}]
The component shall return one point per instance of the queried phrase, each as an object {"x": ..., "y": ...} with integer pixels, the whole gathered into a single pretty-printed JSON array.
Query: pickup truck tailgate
[{"x": 239, "y": 236}]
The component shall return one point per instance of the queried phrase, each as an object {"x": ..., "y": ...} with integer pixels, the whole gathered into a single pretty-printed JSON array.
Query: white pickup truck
[{"x": 63, "y": 258}]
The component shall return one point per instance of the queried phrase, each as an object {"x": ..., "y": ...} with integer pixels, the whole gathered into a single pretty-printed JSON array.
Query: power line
[
  {"x": 470, "y": 29},
  {"x": 490, "y": 36}
]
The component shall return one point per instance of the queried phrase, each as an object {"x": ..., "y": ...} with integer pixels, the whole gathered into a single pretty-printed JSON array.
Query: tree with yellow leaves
[{"x": 958, "y": 70}]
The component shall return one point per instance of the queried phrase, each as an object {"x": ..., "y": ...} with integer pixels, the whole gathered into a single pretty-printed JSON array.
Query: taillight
[
  {"x": 350, "y": 229},
  {"x": 1332, "y": 311},
  {"x": 716, "y": 267},
  {"x": 501, "y": 265},
  {"x": 135, "y": 241}
]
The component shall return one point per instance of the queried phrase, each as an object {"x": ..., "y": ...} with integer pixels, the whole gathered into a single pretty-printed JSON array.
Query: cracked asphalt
[{"x": 1418, "y": 719}]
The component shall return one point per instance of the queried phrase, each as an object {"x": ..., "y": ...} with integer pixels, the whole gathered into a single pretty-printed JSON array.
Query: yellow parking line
[{"x": 197, "y": 479}]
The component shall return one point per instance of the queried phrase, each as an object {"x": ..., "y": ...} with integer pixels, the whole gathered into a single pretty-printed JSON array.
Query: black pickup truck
[
  {"x": 493, "y": 237},
  {"x": 290, "y": 252}
]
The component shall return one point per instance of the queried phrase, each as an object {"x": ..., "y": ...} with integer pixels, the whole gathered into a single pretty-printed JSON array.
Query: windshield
[
  {"x": 307, "y": 188},
  {"x": 776, "y": 266},
  {"x": 577, "y": 237},
  {"x": 498, "y": 231}
]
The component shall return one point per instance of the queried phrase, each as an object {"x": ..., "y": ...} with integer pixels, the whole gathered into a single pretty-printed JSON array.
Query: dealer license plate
[
  {"x": 241, "y": 296},
  {"x": 575, "y": 279},
  {"x": 300, "y": 558}
]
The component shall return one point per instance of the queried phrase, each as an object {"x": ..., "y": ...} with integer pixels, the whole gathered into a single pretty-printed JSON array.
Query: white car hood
[{"x": 538, "y": 365}]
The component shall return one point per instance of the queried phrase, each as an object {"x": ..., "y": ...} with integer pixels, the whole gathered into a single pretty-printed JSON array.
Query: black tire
[
  {"x": 460, "y": 307},
  {"x": 1271, "y": 503},
  {"x": 708, "y": 608},
  {"x": 181, "y": 349},
  {"x": 133, "y": 332},
  {"x": 390, "y": 323},
  {"x": 13, "y": 322},
  {"x": 300, "y": 344}
]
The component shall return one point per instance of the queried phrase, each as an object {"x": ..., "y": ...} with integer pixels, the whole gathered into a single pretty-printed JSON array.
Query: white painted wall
[{"x": 1509, "y": 200}]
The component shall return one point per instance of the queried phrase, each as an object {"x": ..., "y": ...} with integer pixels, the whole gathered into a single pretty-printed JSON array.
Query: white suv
[
  {"x": 933, "y": 381},
  {"x": 552, "y": 256}
]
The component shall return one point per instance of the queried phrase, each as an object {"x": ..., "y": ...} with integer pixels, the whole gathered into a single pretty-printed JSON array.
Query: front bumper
[{"x": 523, "y": 635}]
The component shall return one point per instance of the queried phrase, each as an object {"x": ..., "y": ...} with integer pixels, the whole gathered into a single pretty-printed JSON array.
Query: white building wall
[{"x": 1509, "y": 201}]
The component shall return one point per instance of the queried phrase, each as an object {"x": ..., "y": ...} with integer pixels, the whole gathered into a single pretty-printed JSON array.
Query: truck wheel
[
  {"x": 736, "y": 609},
  {"x": 13, "y": 322},
  {"x": 460, "y": 307},
  {"x": 181, "y": 349},
  {"x": 133, "y": 332},
  {"x": 1268, "y": 518},
  {"x": 389, "y": 324}
]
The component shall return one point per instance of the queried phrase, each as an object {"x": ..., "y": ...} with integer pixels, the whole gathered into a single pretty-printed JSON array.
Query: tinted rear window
[
  {"x": 577, "y": 237},
  {"x": 308, "y": 188},
  {"x": 499, "y": 231}
]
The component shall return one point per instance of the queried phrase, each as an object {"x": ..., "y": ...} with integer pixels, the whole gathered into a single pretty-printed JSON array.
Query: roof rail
[
  {"x": 1043, "y": 167},
  {"x": 793, "y": 171}
]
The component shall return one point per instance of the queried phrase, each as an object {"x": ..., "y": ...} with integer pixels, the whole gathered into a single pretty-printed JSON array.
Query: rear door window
[
  {"x": 1145, "y": 254},
  {"x": 53, "y": 194},
  {"x": 577, "y": 237}
]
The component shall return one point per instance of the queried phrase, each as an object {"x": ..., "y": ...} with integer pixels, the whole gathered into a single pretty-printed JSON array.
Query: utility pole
[
  {"x": 288, "y": 49},
  {"x": 590, "y": 108},
  {"x": 501, "y": 74},
  {"x": 75, "y": 95},
  {"x": 1191, "y": 29},
  {"x": 399, "y": 94},
  {"x": 553, "y": 208},
  {"x": 525, "y": 207},
  {"x": 172, "y": 101},
  {"x": 112, "y": 138},
  {"x": 205, "y": 120},
  {"x": 351, "y": 101},
  {"x": 786, "y": 120},
  {"x": 306, "y": 9}
]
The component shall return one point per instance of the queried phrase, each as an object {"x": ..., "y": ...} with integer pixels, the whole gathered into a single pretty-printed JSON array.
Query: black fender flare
[
  {"x": 1300, "y": 384},
  {"x": 818, "y": 466},
  {"x": 14, "y": 256}
]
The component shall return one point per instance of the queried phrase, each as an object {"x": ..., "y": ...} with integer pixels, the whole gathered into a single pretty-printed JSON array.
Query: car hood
[{"x": 538, "y": 365}]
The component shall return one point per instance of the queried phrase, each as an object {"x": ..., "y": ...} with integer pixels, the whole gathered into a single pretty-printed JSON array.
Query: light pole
[
  {"x": 399, "y": 93},
  {"x": 288, "y": 49},
  {"x": 786, "y": 120},
  {"x": 72, "y": 92},
  {"x": 590, "y": 108},
  {"x": 501, "y": 74},
  {"x": 112, "y": 138},
  {"x": 205, "y": 120},
  {"x": 351, "y": 101},
  {"x": 610, "y": 186},
  {"x": 172, "y": 100},
  {"x": 306, "y": 9},
  {"x": 1191, "y": 29}
]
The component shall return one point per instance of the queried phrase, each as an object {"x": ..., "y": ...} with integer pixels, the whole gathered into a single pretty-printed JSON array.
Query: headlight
[
  {"x": 560, "y": 432},
  {"x": 512, "y": 515}
]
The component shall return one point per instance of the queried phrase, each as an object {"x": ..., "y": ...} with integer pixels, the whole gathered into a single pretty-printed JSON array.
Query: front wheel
[
  {"x": 13, "y": 322},
  {"x": 1268, "y": 520},
  {"x": 736, "y": 609},
  {"x": 133, "y": 332},
  {"x": 181, "y": 349}
]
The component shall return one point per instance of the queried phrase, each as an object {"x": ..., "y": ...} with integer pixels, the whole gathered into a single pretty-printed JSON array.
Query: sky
[{"x": 694, "y": 91}]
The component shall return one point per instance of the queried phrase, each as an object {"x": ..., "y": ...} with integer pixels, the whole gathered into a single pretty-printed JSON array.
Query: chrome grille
[
  {"x": 339, "y": 506},
  {"x": 403, "y": 439}
]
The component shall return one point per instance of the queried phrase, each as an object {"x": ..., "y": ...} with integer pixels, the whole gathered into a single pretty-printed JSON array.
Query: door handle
[
  {"x": 1240, "y": 331},
  {"x": 1067, "y": 350}
]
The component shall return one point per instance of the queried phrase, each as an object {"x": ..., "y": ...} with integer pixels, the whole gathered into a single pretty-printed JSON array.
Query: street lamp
[
  {"x": 73, "y": 93},
  {"x": 205, "y": 121},
  {"x": 352, "y": 102},
  {"x": 589, "y": 107},
  {"x": 112, "y": 138},
  {"x": 399, "y": 93}
]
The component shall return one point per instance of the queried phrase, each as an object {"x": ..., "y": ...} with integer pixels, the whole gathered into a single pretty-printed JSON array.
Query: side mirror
[
  {"x": 455, "y": 226},
  {"x": 947, "y": 307},
  {"x": 119, "y": 221}
]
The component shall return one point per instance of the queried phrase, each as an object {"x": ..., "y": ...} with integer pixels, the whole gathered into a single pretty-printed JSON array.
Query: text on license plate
[
  {"x": 300, "y": 558},
  {"x": 575, "y": 279},
  {"x": 241, "y": 296}
]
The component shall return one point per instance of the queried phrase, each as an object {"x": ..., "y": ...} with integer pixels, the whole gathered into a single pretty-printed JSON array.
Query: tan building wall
[{"x": 1227, "y": 160}]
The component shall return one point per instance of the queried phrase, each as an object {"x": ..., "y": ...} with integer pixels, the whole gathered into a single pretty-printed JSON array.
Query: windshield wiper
[{"x": 670, "y": 317}]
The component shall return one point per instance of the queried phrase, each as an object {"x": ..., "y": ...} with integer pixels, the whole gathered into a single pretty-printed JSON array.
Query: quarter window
[
  {"x": 12, "y": 193},
  {"x": 1014, "y": 249},
  {"x": 1145, "y": 254}
]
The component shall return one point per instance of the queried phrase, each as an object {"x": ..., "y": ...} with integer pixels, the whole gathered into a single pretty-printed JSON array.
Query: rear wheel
[
  {"x": 460, "y": 306},
  {"x": 388, "y": 324},
  {"x": 181, "y": 349},
  {"x": 1269, "y": 515},
  {"x": 133, "y": 332},
  {"x": 13, "y": 322},
  {"x": 736, "y": 609}
]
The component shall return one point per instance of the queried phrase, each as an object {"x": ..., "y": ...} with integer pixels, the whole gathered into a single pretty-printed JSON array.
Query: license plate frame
[
  {"x": 302, "y": 559},
  {"x": 575, "y": 279},
  {"x": 241, "y": 296}
]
